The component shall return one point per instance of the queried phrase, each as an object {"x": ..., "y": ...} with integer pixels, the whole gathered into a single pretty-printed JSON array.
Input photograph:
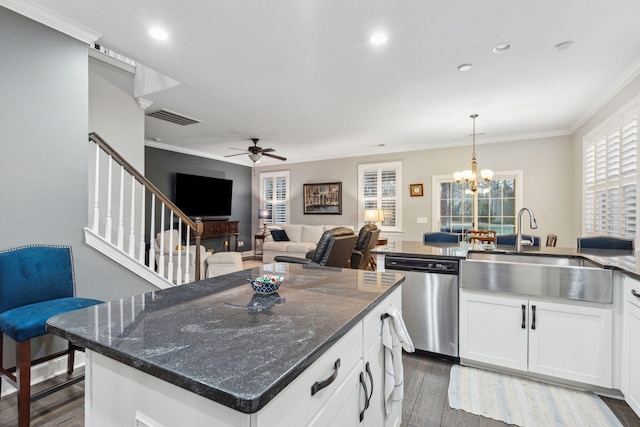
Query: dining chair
[
  {"x": 480, "y": 236},
  {"x": 36, "y": 283}
]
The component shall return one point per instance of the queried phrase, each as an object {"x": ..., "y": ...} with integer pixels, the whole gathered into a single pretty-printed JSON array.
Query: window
[
  {"x": 380, "y": 187},
  {"x": 610, "y": 176},
  {"x": 274, "y": 195},
  {"x": 497, "y": 205}
]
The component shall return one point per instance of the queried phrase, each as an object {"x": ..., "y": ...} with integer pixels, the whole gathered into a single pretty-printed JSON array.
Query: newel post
[{"x": 199, "y": 229}]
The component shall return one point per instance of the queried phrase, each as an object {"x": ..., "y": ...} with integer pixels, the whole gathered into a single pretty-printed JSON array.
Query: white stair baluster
[
  {"x": 120, "y": 238},
  {"x": 172, "y": 247},
  {"x": 132, "y": 218},
  {"x": 152, "y": 234},
  {"x": 142, "y": 222},
  {"x": 179, "y": 270},
  {"x": 96, "y": 194},
  {"x": 108, "y": 222},
  {"x": 162, "y": 246},
  {"x": 187, "y": 274}
]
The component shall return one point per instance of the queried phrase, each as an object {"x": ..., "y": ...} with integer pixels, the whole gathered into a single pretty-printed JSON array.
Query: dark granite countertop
[
  {"x": 218, "y": 339},
  {"x": 623, "y": 261}
]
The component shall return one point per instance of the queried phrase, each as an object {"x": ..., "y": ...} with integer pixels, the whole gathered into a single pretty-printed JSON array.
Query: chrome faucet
[{"x": 533, "y": 225}]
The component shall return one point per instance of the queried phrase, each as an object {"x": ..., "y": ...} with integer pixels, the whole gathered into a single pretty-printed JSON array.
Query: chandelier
[{"x": 470, "y": 177}]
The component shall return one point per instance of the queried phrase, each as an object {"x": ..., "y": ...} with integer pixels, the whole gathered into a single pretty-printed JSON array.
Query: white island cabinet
[
  {"x": 630, "y": 383},
  {"x": 348, "y": 378},
  {"x": 561, "y": 339},
  {"x": 216, "y": 353}
]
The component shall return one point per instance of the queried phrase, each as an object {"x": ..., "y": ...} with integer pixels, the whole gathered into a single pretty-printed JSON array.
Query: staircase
[{"x": 129, "y": 212}]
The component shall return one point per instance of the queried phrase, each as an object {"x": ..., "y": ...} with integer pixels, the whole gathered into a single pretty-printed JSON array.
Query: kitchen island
[{"x": 216, "y": 353}]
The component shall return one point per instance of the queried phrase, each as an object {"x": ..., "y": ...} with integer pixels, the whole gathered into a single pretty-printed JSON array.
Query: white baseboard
[{"x": 47, "y": 370}]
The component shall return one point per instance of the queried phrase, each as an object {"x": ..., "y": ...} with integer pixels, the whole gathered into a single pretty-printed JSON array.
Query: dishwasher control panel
[{"x": 421, "y": 264}]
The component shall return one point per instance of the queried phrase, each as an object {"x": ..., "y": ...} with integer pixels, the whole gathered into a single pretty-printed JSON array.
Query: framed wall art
[
  {"x": 325, "y": 198},
  {"x": 416, "y": 190}
]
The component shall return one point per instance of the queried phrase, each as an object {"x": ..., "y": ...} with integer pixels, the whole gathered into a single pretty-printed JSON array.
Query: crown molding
[
  {"x": 51, "y": 19},
  {"x": 618, "y": 85}
]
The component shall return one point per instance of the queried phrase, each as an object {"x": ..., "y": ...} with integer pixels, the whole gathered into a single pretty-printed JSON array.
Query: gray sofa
[{"x": 302, "y": 239}]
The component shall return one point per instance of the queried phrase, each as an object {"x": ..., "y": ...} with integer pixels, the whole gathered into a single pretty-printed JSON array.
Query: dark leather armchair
[
  {"x": 333, "y": 250},
  {"x": 367, "y": 238}
]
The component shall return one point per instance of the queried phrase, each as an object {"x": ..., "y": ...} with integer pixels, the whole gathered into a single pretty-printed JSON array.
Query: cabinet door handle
[
  {"x": 366, "y": 403},
  {"x": 533, "y": 317},
  {"x": 319, "y": 385},
  {"x": 634, "y": 293},
  {"x": 524, "y": 317},
  {"x": 368, "y": 369}
]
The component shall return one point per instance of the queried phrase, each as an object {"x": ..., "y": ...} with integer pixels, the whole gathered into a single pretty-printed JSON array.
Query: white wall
[{"x": 547, "y": 166}]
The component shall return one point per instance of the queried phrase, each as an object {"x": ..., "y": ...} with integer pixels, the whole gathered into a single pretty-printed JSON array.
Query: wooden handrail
[{"x": 196, "y": 225}]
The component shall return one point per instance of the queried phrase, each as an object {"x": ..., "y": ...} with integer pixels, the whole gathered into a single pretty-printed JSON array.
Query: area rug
[{"x": 525, "y": 402}]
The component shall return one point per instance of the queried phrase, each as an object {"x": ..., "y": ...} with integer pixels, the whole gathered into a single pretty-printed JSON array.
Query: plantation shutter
[
  {"x": 379, "y": 188},
  {"x": 274, "y": 195},
  {"x": 611, "y": 177}
]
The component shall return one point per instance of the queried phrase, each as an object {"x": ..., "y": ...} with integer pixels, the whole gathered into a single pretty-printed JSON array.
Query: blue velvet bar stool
[
  {"x": 605, "y": 242},
  {"x": 440, "y": 237},
  {"x": 36, "y": 283}
]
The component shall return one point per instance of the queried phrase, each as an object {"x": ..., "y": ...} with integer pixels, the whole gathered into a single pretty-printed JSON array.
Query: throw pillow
[{"x": 279, "y": 235}]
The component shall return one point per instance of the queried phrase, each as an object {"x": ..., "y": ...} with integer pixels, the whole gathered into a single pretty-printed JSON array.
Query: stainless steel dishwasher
[{"x": 429, "y": 302}]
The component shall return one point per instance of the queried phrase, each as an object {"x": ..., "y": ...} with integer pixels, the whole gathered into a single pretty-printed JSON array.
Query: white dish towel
[{"x": 394, "y": 338}]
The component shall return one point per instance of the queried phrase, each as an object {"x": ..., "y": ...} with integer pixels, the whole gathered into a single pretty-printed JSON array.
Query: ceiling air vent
[{"x": 173, "y": 117}]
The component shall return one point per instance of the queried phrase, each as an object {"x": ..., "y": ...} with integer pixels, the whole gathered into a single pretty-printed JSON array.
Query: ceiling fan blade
[
  {"x": 274, "y": 156},
  {"x": 240, "y": 149},
  {"x": 268, "y": 150},
  {"x": 239, "y": 154}
]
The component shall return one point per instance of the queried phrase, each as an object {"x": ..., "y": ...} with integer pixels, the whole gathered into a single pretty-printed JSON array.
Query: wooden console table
[{"x": 219, "y": 229}]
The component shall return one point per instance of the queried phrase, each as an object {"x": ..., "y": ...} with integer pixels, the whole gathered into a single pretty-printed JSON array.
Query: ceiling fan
[{"x": 255, "y": 152}]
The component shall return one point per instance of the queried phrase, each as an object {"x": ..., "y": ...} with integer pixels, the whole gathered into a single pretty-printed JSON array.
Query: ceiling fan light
[{"x": 255, "y": 158}]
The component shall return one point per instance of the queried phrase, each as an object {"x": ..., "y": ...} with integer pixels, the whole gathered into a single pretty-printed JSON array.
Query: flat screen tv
[{"x": 203, "y": 196}]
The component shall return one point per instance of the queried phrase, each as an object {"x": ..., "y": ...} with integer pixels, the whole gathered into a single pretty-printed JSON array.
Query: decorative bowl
[{"x": 266, "y": 284}]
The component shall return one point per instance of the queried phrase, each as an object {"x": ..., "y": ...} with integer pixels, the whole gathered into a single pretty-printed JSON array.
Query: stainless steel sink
[
  {"x": 532, "y": 259},
  {"x": 537, "y": 275}
]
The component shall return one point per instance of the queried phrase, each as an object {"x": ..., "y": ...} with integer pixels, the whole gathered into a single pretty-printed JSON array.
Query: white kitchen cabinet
[
  {"x": 491, "y": 329},
  {"x": 631, "y": 344},
  {"x": 116, "y": 392},
  {"x": 572, "y": 341}
]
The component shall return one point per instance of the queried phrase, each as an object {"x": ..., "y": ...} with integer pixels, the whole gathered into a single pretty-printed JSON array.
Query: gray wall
[
  {"x": 547, "y": 166},
  {"x": 161, "y": 167},
  {"x": 44, "y": 151}
]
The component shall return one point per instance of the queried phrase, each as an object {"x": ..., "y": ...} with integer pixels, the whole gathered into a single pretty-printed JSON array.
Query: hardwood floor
[
  {"x": 62, "y": 408},
  {"x": 425, "y": 403},
  {"x": 425, "y": 399}
]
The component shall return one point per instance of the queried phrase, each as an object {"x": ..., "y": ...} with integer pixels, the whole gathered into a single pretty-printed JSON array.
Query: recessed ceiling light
[
  {"x": 564, "y": 45},
  {"x": 465, "y": 67},
  {"x": 501, "y": 48},
  {"x": 378, "y": 39},
  {"x": 158, "y": 33}
]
